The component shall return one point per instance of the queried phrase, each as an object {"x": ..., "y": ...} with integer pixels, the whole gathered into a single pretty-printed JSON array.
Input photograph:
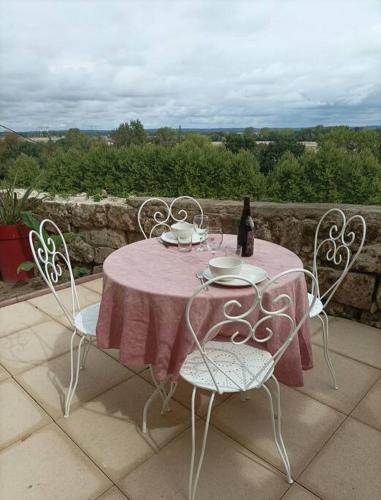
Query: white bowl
[
  {"x": 220, "y": 266},
  {"x": 184, "y": 229}
]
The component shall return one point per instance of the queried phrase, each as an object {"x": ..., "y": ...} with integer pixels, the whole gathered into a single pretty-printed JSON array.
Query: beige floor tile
[
  {"x": 19, "y": 317},
  {"x": 183, "y": 394},
  {"x": 297, "y": 492},
  {"x": 108, "y": 428},
  {"x": 112, "y": 494},
  {"x": 354, "y": 380},
  {"x": 369, "y": 410},
  {"x": 229, "y": 471},
  {"x": 94, "y": 285},
  {"x": 25, "y": 349},
  {"x": 48, "y": 383},
  {"x": 19, "y": 414},
  {"x": 3, "y": 374},
  {"x": 48, "y": 465},
  {"x": 358, "y": 341},
  {"x": 306, "y": 425},
  {"x": 48, "y": 304},
  {"x": 349, "y": 466}
]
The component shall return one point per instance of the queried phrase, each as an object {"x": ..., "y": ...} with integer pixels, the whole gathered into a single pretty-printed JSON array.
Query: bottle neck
[{"x": 246, "y": 206}]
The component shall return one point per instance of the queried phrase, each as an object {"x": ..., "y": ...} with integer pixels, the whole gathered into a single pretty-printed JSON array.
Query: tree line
[{"x": 346, "y": 167}]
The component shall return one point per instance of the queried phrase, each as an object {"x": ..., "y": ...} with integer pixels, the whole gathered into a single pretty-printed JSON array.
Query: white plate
[
  {"x": 171, "y": 238},
  {"x": 253, "y": 273}
]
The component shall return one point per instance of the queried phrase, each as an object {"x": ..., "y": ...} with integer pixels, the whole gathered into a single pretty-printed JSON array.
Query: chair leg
[
  {"x": 85, "y": 352},
  {"x": 324, "y": 319},
  {"x": 148, "y": 404},
  {"x": 73, "y": 377},
  {"x": 167, "y": 401},
  {"x": 244, "y": 395},
  {"x": 193, "y": 484},
  {"x": 277, "y": 431},
  {"x": 163, "y": 392}
]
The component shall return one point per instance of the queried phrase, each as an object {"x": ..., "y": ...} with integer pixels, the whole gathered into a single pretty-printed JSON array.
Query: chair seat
[
  {"x": 86, "y": 319},
  {"x": 318, "y": 306},
  {"x": 240, "y": 362}
]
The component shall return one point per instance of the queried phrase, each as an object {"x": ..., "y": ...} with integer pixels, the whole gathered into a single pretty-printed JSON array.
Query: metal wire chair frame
[
  {"x": 50, "y": 261},
  {"x": 339, "y": 242},
  {"x": 242, "y": 319},
  {"x": 162, "y": 219},
  {"x": 252, "y": 329},
  {"x": 337, "y": 249}
]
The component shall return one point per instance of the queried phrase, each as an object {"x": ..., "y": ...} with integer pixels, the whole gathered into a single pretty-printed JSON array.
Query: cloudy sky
[{"x": 209, "y": 63}]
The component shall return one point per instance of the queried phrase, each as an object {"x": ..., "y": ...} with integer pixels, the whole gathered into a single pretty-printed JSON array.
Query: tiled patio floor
[{"x": 333, "y": 437}]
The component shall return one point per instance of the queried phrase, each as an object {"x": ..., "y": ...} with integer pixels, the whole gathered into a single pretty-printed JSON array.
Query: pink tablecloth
[{"x": 145, "y": 291}]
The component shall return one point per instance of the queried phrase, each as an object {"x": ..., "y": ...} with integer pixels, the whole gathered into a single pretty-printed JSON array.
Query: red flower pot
[{"x": 14, "y": 249}]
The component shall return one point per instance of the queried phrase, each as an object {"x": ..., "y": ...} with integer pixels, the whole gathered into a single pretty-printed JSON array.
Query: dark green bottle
[{"x": 246, "y": 230}]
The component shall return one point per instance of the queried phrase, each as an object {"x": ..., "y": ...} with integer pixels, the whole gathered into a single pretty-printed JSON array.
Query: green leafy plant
[{"x": 12, "y": 206}]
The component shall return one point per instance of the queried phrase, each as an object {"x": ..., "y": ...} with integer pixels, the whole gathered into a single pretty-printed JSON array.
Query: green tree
[
  {"x": 197, "y": 139},
  {"x": 74, "y": 138},
  {"x": 237, "y": 142},
  {"x": 270, "y": 154},
  {"x": 166, "y": 136},
  {"x": 287, "y": 181},
  {"x": 129, "y": 133},
  {"x": 27, "y": 170},
  {"x": 354, "y": 140}
]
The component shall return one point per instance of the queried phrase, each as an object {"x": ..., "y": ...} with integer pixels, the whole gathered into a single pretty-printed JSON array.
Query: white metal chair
[
  {"x": 162, "y": 219},
  {"x": 336, "y": 248},
  {"x": 51, "y": 256},
  {"x": 233, "y": 366}
]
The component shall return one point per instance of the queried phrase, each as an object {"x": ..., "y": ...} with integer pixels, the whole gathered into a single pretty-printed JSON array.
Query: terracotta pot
[{"x": 14, "y": 249}]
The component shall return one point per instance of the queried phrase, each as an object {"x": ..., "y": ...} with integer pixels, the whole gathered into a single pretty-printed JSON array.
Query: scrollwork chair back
[
  {"x": 167, "y": 214},
  {"x": 51, "y": 259},
  {"x": 337, "y": 247},
  {"x": 282, "y": 307}
]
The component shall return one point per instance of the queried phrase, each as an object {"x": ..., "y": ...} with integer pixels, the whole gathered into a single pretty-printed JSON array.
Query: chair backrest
[
  {"x": 52, "y": 257},
  {"x": 337, "y": 246},
  {"x": 273, "y": 310},
  {"x": 162, "y": 217}
]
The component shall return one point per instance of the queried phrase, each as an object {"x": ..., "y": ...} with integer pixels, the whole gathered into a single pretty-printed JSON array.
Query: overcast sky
[{"x": 209, "y": 63}]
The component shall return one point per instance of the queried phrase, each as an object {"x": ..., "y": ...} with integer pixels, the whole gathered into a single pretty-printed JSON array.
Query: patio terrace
[{"x": 333, "y": 437}]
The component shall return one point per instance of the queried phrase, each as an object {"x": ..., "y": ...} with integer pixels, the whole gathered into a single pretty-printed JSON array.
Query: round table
[{"x": 146, "y": 287}]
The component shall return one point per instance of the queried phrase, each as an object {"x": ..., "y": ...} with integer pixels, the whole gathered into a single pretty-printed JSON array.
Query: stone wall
[{"x": 112, "y": 223}]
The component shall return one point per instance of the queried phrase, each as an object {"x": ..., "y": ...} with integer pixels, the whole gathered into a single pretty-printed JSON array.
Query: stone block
[
  {"x": 122, "y": 216},
  {"x": 356, "y": 290},
  {"x": 343, "y": 311},
  {"x": 369, "y": 260},
  {"x": 80, "y": 251},
  {"x": 133, "y": 237},
  {"x": 101, "y": 253},
  {"x": 371, "y": 319},
  {"x": 58, "y": 212},
  {"x": 378, "y": 296},
  {"x": 105, "y": 237},
  {"x": 89, "y": 214}
]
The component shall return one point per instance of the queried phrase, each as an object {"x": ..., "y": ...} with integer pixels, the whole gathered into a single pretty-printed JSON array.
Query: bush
[{"x": 345, "y": 168}]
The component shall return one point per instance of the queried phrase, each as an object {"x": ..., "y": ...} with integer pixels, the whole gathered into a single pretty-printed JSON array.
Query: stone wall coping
[{"x": 137, "y": 200}]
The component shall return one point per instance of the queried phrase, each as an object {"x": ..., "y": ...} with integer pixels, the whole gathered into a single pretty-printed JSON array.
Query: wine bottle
[{"x": 246, "y": 230}]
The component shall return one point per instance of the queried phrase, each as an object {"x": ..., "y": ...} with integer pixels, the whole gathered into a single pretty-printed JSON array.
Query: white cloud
[{"x": 195, "y": 62}]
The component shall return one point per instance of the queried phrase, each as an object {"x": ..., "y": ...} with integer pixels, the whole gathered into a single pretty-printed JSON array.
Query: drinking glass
[
  {"x": 215, "y": 237},
  {"x": 184, "y": 243},
  {"x": 201, "y": 226},
  {"x": 233, "y": 251}
]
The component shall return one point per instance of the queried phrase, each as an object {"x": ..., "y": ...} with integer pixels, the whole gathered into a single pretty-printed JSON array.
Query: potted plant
[{"x": 14, "y": 242}]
